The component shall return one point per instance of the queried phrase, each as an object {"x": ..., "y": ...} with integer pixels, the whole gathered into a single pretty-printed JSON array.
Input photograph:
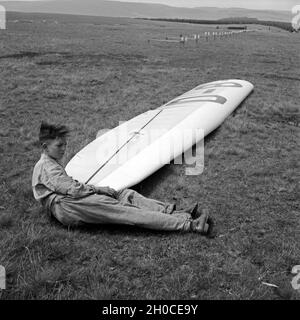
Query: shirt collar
[{"x": 45, "y": 156}]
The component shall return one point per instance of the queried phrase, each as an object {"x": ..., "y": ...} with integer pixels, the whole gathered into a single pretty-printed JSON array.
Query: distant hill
[{"x": 140, "y": 10}]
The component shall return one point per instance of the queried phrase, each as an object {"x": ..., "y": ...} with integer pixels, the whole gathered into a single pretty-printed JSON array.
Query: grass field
[{"x": 93, "y": 74}]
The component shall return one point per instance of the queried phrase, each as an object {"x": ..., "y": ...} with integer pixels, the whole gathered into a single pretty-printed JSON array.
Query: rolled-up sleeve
[{"x": 55, "y": 178}]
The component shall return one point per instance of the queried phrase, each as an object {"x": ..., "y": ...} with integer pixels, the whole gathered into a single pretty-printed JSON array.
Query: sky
[{"x": 249, "y": 4}]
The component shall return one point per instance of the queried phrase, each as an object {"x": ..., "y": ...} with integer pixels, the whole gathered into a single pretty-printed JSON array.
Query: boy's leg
[
  {"x": 100, "y": 209},
  {"x": 131, "y": 197}
]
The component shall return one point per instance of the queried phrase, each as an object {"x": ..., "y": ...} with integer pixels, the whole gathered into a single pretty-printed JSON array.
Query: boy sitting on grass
[{"x": 74, "y": 203}]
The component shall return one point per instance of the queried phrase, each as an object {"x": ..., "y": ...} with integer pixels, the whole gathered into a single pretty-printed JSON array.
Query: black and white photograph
[{"x": 149, "y": 153}]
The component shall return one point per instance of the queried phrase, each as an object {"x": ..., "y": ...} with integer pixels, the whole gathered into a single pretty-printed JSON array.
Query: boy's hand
[{"x": 107, "y": 191}]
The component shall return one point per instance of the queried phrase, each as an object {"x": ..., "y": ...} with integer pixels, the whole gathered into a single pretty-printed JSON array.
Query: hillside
[{"x": 137, "y": 10}]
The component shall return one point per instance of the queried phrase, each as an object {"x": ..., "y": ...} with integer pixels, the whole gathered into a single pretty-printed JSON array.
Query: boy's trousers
[{"x": 129, "y": 207}]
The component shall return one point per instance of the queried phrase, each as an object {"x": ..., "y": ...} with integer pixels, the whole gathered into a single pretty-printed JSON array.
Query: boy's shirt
[{"x": 49, "y": 179}]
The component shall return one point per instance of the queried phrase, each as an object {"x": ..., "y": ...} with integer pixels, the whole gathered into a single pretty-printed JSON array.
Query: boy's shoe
[
  {"x": 193, "y": 211},
  {"x": 197, "y": 214},
  {"x": 200, "y": 224},
  {"x": 212, "y": 231}
]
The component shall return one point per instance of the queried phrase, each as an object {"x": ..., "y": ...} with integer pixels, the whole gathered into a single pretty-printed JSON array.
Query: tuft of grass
[{"x": 6, "y": 220}]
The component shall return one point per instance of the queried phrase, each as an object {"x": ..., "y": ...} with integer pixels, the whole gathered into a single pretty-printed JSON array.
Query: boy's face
[{"x": 56, "y": 148}]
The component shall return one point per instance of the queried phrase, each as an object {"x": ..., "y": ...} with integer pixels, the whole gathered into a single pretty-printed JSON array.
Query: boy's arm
[{"x": 56, "y": 179}]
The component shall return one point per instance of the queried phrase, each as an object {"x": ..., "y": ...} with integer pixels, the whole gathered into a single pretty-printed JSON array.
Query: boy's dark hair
[{"x": 51, "y": 132}]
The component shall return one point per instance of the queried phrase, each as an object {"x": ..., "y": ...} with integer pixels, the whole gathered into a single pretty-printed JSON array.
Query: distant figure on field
[
  {"x": 182, "y": 40},
  {"x": 74, "y": 203}
]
